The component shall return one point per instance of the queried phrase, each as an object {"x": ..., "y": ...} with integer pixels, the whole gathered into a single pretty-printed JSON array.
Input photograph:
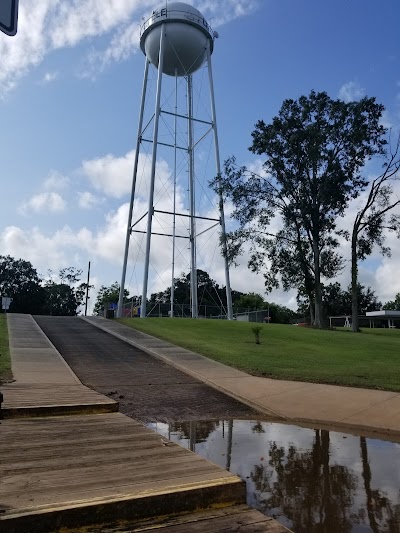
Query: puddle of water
[{"x": 309, "y": 480}]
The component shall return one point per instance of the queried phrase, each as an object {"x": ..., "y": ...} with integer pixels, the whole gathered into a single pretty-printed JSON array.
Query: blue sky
[{"x": 70, "y": 85}]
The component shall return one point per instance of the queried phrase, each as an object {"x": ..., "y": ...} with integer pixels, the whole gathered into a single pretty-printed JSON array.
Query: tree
[
  {"x": 30, "y": 299},
  {"x": 209, "y": 292},
  {"x": 366, "y": 297},
  {"x": 314, "y": 149},
  {"x": 289, "y": 258},
  {"x": 251, "y": 300},
  {"x": 70, "y": 275},
  {"x": 334, "y": 300},
  {"x": 108, "y": 295},
  {"x": 31, "y": 294},
  {"x": 393, "y": 305},
  {"x": 375, "y": 216},
  {"x": 16, "y": 275},
  {"x": 64, "y": 299},
  {"x": 279, "y": 314},
  {"x": 60, "y": 299},
  {"x": 337, "y": 302}
]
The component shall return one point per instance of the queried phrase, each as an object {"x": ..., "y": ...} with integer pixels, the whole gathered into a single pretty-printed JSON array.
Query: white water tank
[{"x": 187, "y": 36}]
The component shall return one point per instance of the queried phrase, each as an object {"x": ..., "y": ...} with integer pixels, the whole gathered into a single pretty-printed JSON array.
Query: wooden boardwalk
[
  {"x": 34, "y": 400},
  {"x": 77, "y": 470}
]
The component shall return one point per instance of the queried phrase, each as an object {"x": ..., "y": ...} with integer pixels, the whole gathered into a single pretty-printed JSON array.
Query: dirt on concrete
[{"x": 146, "y": 388}]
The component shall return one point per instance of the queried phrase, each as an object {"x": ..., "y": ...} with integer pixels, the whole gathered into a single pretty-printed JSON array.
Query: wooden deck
[
  {"x": 77, "y": 470},
  {"x": 40, "y": 400}
]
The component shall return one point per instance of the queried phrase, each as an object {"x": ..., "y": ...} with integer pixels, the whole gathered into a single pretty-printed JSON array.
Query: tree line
[
  {"x": 60, "y": 294},
  {"x": 315, "y": 154},
  {"x": 210, "y": 295},
  {"x": 336, "y": 301}
]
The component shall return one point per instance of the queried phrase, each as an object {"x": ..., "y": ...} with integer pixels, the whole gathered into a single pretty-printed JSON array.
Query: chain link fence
[{"x": 132, "y": 309}]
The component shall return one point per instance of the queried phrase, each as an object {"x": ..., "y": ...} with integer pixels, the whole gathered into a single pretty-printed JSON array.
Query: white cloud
[
  {"x": 113, "y": 175},
  {"x": 87, "y": 200},
  {"x": 109, "y": 174},
  {"x": 50, "y": 202},
  {"x": 386, "y": 120},
  {"x": 49, "y": 77},
  {"x": 223, "y": 11},
  {"x": 56, "y": 181},
  {"x": 44, "y": 252},
  {"x": 351, "y": 91},
  {"x": 122, "y": 45},
  {"x": 49, "y": 25}
]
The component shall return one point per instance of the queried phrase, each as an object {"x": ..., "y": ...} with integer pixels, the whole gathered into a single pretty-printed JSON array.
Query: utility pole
[{"x": 87, "y": 289}]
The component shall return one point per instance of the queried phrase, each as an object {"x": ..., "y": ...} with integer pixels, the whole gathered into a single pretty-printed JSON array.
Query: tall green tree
[
  {"x": 372, "y": 219},
  {"x": 337, "y": 301},
  {"x": 60, "y": 299},
  {"x": 107, "y": 295},
  {"x": 251, "y": 300},
  {"x": 31, "y": 298},
  {"x": 314, "y": 152},
  {"x": 16, "y": 275}
]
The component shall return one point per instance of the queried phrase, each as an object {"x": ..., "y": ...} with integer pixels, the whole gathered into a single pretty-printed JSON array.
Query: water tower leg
[
  {"x": 174, "y": 200},
  {"x": 135, "y": 167},
  {"x": 150, "y": 212},
  {"x": 192, "y": 201},
  {"x": 221, "y": 201}
]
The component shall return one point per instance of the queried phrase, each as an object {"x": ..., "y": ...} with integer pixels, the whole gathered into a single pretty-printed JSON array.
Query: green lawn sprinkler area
[{"x": 368, "y": 359}]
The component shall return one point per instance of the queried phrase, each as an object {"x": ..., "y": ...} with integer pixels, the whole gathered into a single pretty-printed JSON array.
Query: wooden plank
[
  {"x": 98, "y": 460},
  {"x": 21, "y": 401},
  {"x": 70, "y": 481},
  {"x": 98, "y": 495},
  {"x": 48, "y": 450}
]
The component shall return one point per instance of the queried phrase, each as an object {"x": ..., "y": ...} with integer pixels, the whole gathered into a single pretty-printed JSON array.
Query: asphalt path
[{"x": 146, "y": 388}]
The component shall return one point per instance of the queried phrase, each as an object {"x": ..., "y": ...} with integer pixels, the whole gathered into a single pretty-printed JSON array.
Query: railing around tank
[{"x": 164, "y": 14}]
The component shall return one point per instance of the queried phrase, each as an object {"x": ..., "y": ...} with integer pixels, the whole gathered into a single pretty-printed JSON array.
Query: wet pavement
[
  {"x": 310, "y": 480},
  {"x": 147, "y": 389}
]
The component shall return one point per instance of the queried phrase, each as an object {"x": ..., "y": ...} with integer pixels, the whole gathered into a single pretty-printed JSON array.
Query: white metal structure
[{"x": 177, "y": 41}]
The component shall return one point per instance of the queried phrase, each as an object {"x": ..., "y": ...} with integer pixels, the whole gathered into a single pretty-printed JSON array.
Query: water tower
[{"x": 178, "y": 42}]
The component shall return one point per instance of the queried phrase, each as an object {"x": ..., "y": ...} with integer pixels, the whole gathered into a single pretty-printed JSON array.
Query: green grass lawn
[
  {"x": 370, "y": 359},
  {"x": 5, "y": 362}
]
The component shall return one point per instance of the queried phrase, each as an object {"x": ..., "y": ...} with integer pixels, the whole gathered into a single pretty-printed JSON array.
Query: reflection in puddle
[{"x": 309, "y": 480}]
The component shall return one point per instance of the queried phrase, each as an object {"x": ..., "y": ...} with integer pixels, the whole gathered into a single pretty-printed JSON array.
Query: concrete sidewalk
[
  {"x": 44, "y": 383},
  {"x": 346, "y": 408}
]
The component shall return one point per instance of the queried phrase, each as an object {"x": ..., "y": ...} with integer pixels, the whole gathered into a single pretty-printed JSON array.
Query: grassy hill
[{"x": 369, "y": 359}]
